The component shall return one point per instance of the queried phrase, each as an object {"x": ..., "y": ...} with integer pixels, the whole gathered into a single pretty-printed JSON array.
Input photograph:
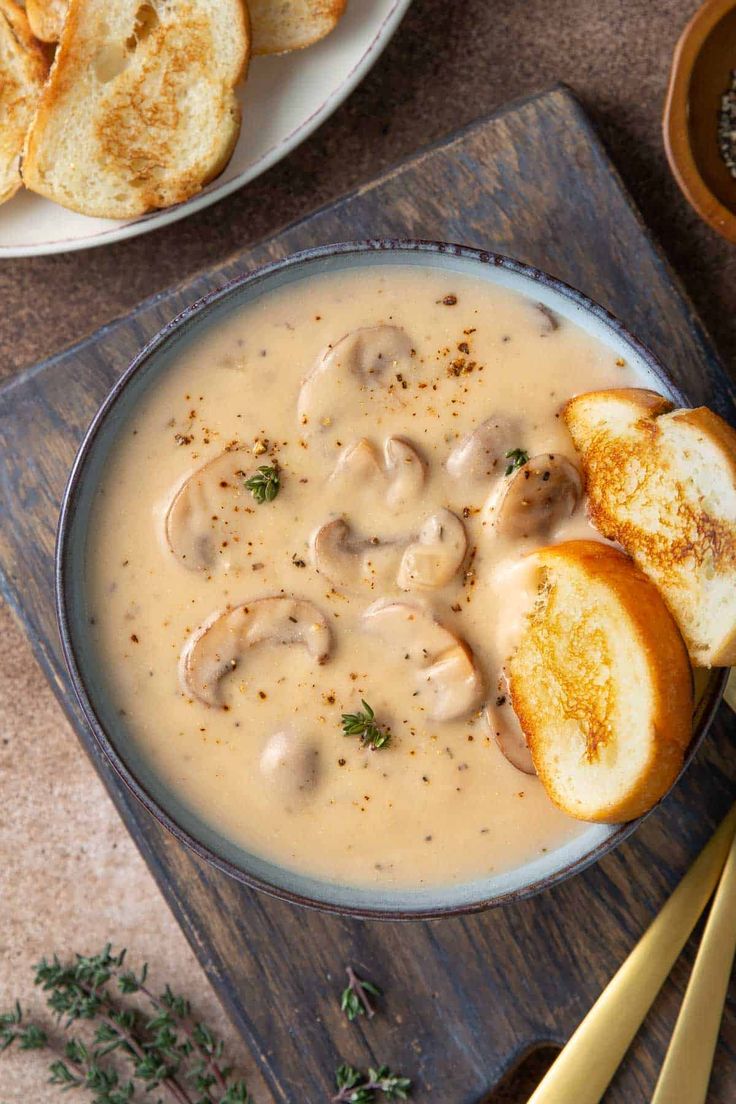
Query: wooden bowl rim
[{"x": 675, "y": 128}]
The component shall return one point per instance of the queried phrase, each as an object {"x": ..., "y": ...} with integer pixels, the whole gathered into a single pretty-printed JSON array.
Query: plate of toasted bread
[{"x": 123, "y": 116}]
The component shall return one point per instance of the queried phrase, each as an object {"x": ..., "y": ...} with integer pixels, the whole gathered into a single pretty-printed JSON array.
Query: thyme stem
[
  {"x": 177, "y": 1091},
  {"x": 184, "y": 1023},
  {"x": 167, "y": 1049}
]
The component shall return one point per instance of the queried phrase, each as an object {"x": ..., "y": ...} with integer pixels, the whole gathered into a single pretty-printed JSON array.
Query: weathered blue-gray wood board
[{"x": 465, "y": 997}]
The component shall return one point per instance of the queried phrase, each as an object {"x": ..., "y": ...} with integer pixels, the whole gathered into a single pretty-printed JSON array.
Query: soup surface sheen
[{"x": 267, "y": 763}]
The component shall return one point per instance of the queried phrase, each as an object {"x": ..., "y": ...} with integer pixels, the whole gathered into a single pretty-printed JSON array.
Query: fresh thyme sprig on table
[
  {"x": 356, "y": 1087},
  {"x": 167, "y": 1050},
  {"x": 265, "y": 484},
  {"x": 355, "y": 1000},
  {"x": 517, "y": 457},
  {"x": 372, "y": 735}
]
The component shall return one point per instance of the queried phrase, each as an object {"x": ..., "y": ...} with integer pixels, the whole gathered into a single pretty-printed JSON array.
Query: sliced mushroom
[
  {"x": 351, "y": 563},
  {"x": 290, "y": 765},
  {"x": 406, "y": 472},
  {"x": 551, "y": 319},
  {"x": 448, "y": 684},
  {"x": 436, "y": 555},
  {"x": 398, "y": 479},
  {"x": 358, "y": 463},
  {"x": 506, "y": 730},
  {"x": 221, "y": 642},
  {"x": 195, "y": 512},
  {"x": 423, "y": 563},
  {"x": 367, "y": 359},
  {"x": 539, "y": 496},
  {"x": 480, "y": 455}
]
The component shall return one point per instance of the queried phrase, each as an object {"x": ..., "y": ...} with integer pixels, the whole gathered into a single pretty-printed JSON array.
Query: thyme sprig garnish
[
  {"x": 167, "y": 1050},
  {"x": 355, "y": 999},
  {"x": 356, "y": 1087},
  {"x": 372, "y": 735},
  {"x": 517, "y": 457},
  {"x": 265, "y": 484}
]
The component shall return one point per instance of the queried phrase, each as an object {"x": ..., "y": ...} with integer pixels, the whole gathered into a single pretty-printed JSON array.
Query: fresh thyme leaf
[
  {"x": 372, "y": 735},
  {"x": 390, "y": 1084},
  {"x": 518, "y": 458},
  {"x": 355, "y": 1087},
  {"x": 354, "y": 1000},
  {"x": 265, "y": 484},
  {"x": 167, "y": 1051}
]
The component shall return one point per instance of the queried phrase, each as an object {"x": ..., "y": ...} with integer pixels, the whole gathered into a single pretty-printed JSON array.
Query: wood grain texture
[{"x": 466, "y": 997}]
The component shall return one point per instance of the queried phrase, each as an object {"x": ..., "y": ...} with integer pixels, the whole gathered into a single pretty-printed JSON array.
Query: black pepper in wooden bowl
[{"x": 727, "y": 126}]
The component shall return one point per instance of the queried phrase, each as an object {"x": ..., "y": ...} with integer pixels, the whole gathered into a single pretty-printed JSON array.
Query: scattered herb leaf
[
  {"x": 167, "y": 1048},
  {"x": 517, "y": 457},
  {"x": 265, "y": 484},
  {"x": 371, "y": 735},
  {"x": 356, "y": 1087},
  {"x": 355, "y": 1000}
]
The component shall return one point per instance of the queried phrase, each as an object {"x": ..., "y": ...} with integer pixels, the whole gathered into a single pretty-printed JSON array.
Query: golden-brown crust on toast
[
  {"x": 20, "y": 86},
  {"x": 658, "y": 505},
  {"x": 315, "y": 19},
  {"x": 46, "y": 18},
  {"x": 137, "y": 134},
  {"x": 567, "y": 677}
]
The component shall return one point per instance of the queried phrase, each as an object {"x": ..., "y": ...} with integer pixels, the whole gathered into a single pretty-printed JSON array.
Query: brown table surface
[{"x": 81, "y": 883}]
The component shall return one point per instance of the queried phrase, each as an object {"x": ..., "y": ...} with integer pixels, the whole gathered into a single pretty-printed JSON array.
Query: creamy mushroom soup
[{"x": 306, "y": 569}]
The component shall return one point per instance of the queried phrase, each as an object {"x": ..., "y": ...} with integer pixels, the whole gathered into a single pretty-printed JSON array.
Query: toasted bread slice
[
  {"x": 23, "y": 69},
  {"x": 283, "y": 25},
  {"x": 140, "y": 110},
  {"x": 601, "y": 684},
  {"x": 662, "y": 483},
  {"x": 46, "y": 18}
]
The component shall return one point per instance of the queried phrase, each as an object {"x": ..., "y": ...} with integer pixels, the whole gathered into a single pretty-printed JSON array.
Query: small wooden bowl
[{"x": 701, "y": 72}]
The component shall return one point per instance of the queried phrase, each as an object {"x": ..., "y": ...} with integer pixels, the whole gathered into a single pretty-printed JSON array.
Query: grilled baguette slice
[
  {"x": 46, "y": 18},
  {"x": 278, "y": 25},
  {"x": 140, "y": 110},
  {"x": 23, "y": 69},
  {"x": 601, "y": 684},
  {"x": 662, "y": 483},
  {"x": 282, "y": 25}
]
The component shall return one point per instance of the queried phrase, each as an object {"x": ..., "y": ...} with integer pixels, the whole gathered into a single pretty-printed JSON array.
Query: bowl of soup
[{"x": 281, "y": 609}]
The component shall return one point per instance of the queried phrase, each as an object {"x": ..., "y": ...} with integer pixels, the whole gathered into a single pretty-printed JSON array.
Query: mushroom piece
[
  {"x": 551, "y": 319},
  {"x": 290, "y": 765},
  {"x": 369, "y": 359},
  {"x": 351, "y": 564},
  {"x": 399, "y": 478},
  {"x": 539, "y": 496},
  {"x": 406, "y": 472},
  {"x": 505, "y": 727},
  {"x": 423, "y": 563},
  {"x": 436, "y": 555},
  {"x": 189, "y": 524},
  {"x": 448, "y": 685},
  {"x": 478, "y": 456},
  {"x": 220, "y": 643}
]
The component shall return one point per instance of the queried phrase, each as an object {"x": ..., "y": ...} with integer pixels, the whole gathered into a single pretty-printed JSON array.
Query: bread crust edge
[{"x": 670, "y": 679}]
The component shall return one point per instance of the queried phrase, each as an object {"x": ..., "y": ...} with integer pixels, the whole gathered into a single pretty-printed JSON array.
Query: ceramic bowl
[
  {"x": 109, "y": 728},
  {"x": 702, "y": 65}
]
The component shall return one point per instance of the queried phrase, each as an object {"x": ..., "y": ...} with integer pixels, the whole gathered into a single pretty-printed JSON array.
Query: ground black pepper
[{"x": 727, "y": 126}]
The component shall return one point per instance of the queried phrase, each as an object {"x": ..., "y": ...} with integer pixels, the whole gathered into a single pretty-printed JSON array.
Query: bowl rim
[
  {"x": 303, "y": 258},
  {"x": 675, "y": 125}
]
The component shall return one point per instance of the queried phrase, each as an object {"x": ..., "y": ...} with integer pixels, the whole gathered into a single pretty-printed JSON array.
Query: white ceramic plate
[{"x": 284, "y": 100}]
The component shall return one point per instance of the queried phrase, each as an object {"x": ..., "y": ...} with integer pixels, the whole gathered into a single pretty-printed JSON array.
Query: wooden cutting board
[{"x": 465, "y": 998}]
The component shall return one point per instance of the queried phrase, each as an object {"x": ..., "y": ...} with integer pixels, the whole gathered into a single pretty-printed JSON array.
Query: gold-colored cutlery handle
[
  {"x": 687, "y": 1067},
  {"x": 584, "y": 1068}
]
